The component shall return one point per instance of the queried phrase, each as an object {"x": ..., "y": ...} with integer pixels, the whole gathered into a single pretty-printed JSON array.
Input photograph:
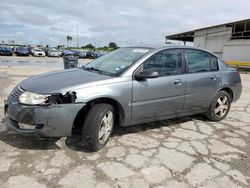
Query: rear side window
[
  {"x": 214, "y": 63},
  {"x": 197, "y": 61}
]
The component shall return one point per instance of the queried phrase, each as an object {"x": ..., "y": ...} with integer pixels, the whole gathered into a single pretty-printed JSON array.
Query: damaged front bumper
[{"x": 55, "y": 120}]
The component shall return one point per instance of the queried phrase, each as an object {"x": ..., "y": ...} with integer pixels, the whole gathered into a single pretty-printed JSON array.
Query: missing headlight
[{"x": 69, "y": 97}]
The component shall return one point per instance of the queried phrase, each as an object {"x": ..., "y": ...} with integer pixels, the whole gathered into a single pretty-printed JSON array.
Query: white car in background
[
  {"x": 53, "y": 53},
  {"x": 38, "y": 52}
]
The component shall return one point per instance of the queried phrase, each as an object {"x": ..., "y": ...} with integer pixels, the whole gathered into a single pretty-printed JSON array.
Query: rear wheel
[
  {"x": 98, "y": 126},
  {"x": 219, "y": 107}
]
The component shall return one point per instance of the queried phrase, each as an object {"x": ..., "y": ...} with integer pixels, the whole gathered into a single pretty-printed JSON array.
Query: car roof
[
  {"x": 166, "y": 47},
  {"x": 172, "y": 46}
]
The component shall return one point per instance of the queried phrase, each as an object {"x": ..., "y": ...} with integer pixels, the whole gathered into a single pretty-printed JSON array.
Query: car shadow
[
  {"x": 26, "y": 142},
  {"x": 119, "y": 131},
  {"x": 74, "y": 142}
]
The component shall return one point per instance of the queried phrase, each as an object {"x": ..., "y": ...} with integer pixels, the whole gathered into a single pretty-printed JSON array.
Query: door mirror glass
[{"x": 146, "y": 74}]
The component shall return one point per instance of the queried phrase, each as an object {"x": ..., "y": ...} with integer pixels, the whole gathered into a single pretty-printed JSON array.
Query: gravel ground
[{"x": 185, "y": 152}]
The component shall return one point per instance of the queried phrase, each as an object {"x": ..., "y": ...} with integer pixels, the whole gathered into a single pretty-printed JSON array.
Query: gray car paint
[
  {"x": 141, "y": 101},
  {"x": 60, "y": 81},
  {"x": 201, "y": 89},
  {"x": 152, "y": 98}
]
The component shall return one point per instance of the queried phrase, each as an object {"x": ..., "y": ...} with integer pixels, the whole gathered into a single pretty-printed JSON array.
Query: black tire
[
  {"x": 93, "y": 124},
  {"x": 210, "y": 114}
]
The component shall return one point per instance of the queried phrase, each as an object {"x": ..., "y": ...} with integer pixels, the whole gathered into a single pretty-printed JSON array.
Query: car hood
[{"x": 60, "y": 81}]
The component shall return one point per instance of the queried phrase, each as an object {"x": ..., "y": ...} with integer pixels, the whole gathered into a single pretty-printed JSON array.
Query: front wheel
[
  {"x": 219, "y": 107},
  {"x": 98, "y": 126}
]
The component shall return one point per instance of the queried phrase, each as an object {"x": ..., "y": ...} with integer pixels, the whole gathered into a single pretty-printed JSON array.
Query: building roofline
[{"x": 189, "y": 35}]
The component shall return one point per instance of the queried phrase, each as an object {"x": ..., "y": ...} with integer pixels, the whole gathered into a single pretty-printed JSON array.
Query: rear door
[
  {"x": 203, "y": 80},
  {"x": 162, "y": 96}
]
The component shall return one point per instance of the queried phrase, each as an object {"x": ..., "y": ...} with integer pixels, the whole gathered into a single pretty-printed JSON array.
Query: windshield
[{"x": 116, "y": 62}]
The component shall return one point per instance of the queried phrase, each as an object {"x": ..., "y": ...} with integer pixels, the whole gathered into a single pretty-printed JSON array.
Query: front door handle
[
  {"x": 213, "y": 77},
  {"x": 177, "y": 82}
]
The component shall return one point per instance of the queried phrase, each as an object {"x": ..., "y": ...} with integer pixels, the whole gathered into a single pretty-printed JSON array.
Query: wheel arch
[
  {"x": 81, "y": 115},
  {"x": 229, "y": 91}
]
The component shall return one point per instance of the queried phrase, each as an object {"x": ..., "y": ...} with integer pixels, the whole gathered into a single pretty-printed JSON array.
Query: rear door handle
[
  {"x": 177, "y": 82},
  {"x": 213, "y": 77}
]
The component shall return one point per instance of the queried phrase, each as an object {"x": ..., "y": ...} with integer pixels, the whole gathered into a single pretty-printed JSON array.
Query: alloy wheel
[
  {"x": 105, "y": 127},
  {"x": 222, "y": 106}
]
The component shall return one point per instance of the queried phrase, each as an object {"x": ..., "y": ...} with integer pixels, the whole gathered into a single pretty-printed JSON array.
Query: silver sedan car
[
  {"x": 53, "y": 53},
  {"x": 125, "y": 87}
]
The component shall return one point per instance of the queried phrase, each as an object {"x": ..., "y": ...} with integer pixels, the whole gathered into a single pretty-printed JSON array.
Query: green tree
[
  {"x": 69, "y": 38},
  {"x": 90, "y": 46},
  {"x": 106, "y": 48},
  {"x": 113, "y": 45}
]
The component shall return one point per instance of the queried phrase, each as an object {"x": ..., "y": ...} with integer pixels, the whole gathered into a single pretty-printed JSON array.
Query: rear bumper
[
  {"x": 237, "y": 90},
  {"x": 45, "y": 121}
]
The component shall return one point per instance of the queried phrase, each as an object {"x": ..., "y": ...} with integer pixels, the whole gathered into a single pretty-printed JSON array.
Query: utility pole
[{"x": 77, "y": 36}]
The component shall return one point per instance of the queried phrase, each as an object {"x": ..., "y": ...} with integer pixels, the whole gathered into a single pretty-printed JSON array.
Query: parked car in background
[
  {"x": 91, "y": 55},
  {"x": 30, "y": 49},
  {"x": 95, "y": 54},
  {"x": 45, "y": 49},
  {"x": 175, "y": 81},
  {"x": 52, "y": 52},
  {"x": 100, "y": 53},
  {"x": 22, "y": 51},
  {"x": 74, "y": 52},
  {"x": 5, "y": 50},
  {"x": 38, "y": 52},
  {"x": 61, "y": 52},
  {"x": 68, "y": 52},
  {"x": 81, "y": 54}
]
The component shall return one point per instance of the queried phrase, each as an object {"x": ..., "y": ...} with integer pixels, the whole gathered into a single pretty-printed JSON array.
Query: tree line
[{"x": 111, "y": 46}]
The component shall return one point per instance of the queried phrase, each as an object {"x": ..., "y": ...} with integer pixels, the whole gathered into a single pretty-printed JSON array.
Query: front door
[{"x": 158, "y": 97}]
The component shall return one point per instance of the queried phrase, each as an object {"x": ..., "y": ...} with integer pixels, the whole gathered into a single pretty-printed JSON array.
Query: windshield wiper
[
  {"x": 98, "y": 70},
  {"x": 93, "y": 68},
  {"x": 90, "y": 68}
]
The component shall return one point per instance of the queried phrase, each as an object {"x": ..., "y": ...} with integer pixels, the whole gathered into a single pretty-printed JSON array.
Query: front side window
[{"x": 167, "y": 62}]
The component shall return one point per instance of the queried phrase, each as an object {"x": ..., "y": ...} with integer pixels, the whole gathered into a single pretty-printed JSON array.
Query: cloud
[{"x": 99, "y": 22}]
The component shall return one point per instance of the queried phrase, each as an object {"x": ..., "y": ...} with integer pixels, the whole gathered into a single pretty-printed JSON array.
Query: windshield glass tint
[{"x": 118, "y": 61}]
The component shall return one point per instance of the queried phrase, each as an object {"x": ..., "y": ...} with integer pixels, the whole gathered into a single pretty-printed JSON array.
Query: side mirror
[{"x": 146, "y": 74}]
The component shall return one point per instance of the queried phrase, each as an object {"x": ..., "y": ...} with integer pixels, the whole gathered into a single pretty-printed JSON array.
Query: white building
[{"x": 230, "y": 41}]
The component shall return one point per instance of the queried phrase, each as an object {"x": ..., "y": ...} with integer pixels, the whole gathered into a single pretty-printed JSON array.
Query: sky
[{"x": 126, "y": 22}]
